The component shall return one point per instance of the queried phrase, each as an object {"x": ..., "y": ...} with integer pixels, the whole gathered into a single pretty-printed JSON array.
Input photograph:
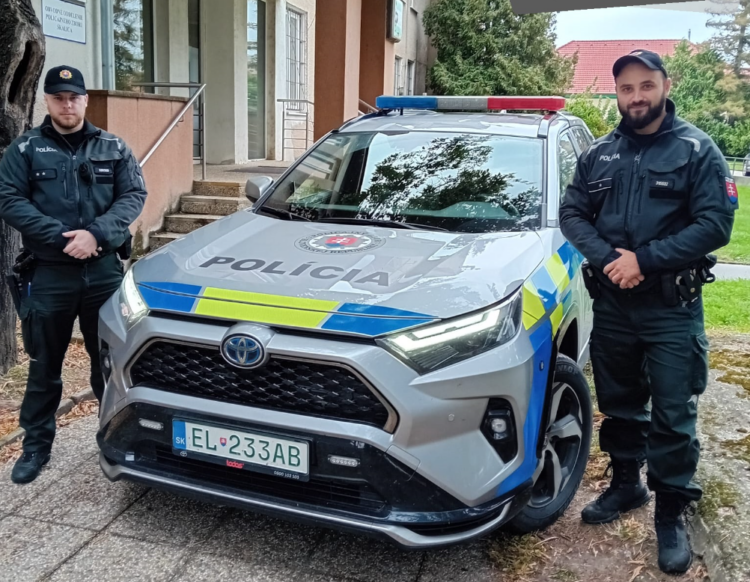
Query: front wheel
[{"x": 566, "y": 450}]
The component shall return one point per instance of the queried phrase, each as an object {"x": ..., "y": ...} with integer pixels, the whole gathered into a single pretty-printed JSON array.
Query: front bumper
[
  {"x": 381, "y": 498},
  {"x": 437, "y": 476}
]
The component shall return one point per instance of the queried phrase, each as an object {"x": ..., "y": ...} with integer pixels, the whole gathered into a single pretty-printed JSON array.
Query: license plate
[{"x": 242, "y": 449}]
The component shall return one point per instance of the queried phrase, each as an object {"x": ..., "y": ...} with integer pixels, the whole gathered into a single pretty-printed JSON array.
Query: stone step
[
  {"x": 213, "y": 205},
  {"x": 185, "y": 223},
  {"x": 224, "y": 189},
  {"x": 159, "y": 239}
]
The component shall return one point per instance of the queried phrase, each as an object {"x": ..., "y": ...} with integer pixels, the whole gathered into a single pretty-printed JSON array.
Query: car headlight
[
  {"x": 435, "y": 346},
  {"x": 132, "y": 306}
]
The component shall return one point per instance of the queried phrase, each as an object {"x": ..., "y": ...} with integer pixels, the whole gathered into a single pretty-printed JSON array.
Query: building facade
[{"x": 262, "y": 61}]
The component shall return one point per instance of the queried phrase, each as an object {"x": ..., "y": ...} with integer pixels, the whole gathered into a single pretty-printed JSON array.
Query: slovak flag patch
[{"x": 731, "y": 190}]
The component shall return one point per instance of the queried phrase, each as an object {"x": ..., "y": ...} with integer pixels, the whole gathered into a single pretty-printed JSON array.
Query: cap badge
[
  {"x": 637, "y": 53},
  {"x": 66, "y": 74}
]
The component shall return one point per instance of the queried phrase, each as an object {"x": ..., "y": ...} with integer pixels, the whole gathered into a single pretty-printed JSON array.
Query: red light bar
[{"x": 526, "y": 103}]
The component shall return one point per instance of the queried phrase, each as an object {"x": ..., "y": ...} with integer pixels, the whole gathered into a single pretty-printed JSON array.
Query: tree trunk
[{"x": 21, "y": 60}]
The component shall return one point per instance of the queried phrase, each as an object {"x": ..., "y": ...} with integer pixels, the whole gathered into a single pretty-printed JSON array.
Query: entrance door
[{"x": 256, "y": 79}]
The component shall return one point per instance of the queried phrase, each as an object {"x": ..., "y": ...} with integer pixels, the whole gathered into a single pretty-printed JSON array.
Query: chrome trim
[
  {"x": 402, "y": 535},
  {"x": 390, "y": 424}
]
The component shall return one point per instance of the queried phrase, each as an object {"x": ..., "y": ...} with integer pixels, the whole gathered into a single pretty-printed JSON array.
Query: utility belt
[{"x": 673, "y": 286}]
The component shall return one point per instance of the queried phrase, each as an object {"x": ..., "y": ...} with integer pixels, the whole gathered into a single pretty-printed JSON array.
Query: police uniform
[
  {"x": 670, "y": 198},
  {"x": 51, "y": 184}
]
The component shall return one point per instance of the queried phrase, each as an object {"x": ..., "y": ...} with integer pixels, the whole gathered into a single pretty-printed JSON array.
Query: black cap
[
  {"x": 650, "y": 59},
  {"x": 64, "y": 78}
]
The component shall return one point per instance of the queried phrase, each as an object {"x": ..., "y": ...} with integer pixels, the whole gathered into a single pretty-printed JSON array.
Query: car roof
[{"x": 510, "y": 124}]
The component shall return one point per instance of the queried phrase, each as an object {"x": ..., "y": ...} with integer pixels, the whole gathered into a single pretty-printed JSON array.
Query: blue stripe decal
[
  {"x": 178, "y": 435},
  {"x": 566, "y": 254},
  {"x": 168, "y": 301},
  {"x": 541, "y": 340},
  {"x": 370, "y": 326},
  {"x": 546, "y": 288},
  {"x": 357, "y": 308}
]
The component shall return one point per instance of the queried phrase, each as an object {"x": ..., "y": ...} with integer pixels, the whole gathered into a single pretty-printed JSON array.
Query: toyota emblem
[{"x": 243, "y": 351}]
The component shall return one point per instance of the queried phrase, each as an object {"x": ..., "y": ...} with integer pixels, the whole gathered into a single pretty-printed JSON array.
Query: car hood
[{"x": 352, "y": 279}]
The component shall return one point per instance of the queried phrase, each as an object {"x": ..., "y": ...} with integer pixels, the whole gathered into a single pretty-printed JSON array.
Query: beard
[
  {"x": 68, "y": 121},
  {"x": 641, "y": 121}
]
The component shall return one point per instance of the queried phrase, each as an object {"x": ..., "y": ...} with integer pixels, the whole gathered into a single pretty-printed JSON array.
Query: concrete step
[
  {"x": 161, "y": 238},
  {"x": 213, "y": 205},
  {"x": 185, "y": 223},
  {"x": 224, "y": 189}
]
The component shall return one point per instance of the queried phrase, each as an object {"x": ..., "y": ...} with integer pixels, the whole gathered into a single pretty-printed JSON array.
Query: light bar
[{"x": 458, "y": 103}]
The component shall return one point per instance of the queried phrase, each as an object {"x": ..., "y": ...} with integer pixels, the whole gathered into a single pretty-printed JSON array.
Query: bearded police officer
[
  {"x": 71, "y": 190},
  {"x": 648, "y": 203}
]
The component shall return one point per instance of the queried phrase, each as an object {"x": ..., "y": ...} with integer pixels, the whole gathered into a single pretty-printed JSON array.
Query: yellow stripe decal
[
  {"x": 533, "y": 309},
  {"x": 556, "y": 318},
  {"x": 558, "y": 272},
  {"x": 271, "y": 309}
]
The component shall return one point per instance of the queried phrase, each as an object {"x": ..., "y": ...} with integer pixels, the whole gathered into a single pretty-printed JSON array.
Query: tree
[
  {"x": 732, "y": 41},
  {"x": 22, "y": 54},
  {"x": 600, "y": 120},
  {"x": 484, "y": 48}
]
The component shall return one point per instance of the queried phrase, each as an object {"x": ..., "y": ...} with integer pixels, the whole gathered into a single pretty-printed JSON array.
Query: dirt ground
[{"x": 569, "y": 551}]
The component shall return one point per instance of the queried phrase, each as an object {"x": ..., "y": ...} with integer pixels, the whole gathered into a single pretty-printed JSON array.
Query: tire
[{"x": 545, "y": 507}]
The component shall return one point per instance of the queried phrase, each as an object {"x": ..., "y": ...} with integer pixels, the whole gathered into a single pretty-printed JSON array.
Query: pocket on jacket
[
  {"x": 41, "y": 174},
  {"x": 668, "y": 180},
  {"x": 104, "y": 167}
]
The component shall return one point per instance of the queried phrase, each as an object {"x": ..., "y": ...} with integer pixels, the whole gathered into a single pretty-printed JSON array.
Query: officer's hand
[
  {"x": 624, "y": 271},
  {"x": 82, "y": 244}
]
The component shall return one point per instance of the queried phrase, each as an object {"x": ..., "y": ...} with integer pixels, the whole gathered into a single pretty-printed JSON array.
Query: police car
[{"x": 389, "y": 341}]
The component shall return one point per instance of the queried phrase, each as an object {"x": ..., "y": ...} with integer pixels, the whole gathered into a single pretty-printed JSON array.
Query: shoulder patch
[{"x": 731, "y": 189}]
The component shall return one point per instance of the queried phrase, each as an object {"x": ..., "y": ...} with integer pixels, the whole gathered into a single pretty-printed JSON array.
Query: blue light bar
[{"x": 410, "y": 102}]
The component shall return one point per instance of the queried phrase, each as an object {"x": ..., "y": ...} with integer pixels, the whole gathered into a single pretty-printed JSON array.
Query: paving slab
[
  {"x": 163, "y": 517},
  {"x": 263, "y": 540},
  {"x": 364, "y": 559},
  {"x": 111, "y": 558},
  {"x": 73, "y": 448},
  {"x": 210, "y": 568},
  {"x": 85, "y": 499},
  {"x": 722, "y": 525},
  {"x": 30, "y": 549}
]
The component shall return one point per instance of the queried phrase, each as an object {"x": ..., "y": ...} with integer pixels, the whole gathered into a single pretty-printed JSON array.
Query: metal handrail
[
  {"x": 368, "y": 106},
  {"x": 180, "y": 115},
  {"x": 304, "y": 112}
]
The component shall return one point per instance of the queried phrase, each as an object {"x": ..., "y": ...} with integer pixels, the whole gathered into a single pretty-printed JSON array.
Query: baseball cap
[
  {"x": 650, "y": 59},
  {"x": 64, "y": 78}
]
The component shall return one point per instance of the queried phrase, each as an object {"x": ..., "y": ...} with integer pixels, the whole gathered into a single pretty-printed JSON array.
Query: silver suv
[{"x": 389, "y": 341}]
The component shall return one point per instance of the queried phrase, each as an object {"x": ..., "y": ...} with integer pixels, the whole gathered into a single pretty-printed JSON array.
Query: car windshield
[{"x": 433, "y": 180}]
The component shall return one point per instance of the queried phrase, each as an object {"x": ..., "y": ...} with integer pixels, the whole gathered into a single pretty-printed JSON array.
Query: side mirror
[{"x": 256, "y": 187}]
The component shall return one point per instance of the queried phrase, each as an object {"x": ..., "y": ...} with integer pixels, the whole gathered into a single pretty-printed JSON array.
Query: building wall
[
  {"x": 85, "y": 57},
  {"x": 413, "y": 47}
]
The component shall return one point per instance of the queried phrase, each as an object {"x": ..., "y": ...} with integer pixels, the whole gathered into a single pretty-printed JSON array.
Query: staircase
[{"x": 207, "y": 202}]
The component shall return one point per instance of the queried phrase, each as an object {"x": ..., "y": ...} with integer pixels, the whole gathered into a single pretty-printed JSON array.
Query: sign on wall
[
  {"x": 395, "y": 19},
  {"x": 64, "y": 20}
]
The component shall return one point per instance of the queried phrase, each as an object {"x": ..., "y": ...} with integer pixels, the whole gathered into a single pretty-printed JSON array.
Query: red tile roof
[{"x": 596, "y": 57}]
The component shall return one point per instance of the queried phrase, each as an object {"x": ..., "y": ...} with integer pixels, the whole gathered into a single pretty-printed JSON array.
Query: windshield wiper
[
  {"x": 376, "y": 222},
  {"x": 282, "y": 213}
]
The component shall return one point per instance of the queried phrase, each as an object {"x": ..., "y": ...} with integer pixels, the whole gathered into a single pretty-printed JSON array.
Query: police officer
[
  {"x": 648, "y": 203},
  {"x": 71, "y": 190}
]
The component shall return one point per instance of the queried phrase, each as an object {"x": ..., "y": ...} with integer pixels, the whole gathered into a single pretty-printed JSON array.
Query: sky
[{"x": 636, "y": 23}]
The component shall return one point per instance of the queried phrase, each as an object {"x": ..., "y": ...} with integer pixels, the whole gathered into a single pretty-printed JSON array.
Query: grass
[
  {"x": 738, "y": 249},
  {"x": 726, "y": 306}
]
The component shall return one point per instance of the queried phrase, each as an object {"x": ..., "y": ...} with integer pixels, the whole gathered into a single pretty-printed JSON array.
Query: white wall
[{"x": 84, "y": 57}]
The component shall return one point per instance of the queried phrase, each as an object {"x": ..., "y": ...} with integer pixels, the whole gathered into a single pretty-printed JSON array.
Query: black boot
[
  {"x": 28, "y": 467},
  {"x": 675, "y": 555},
  {"x": 625, "y": 492}
]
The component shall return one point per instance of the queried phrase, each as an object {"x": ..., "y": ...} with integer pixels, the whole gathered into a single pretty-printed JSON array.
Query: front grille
[
  {"x": 359, "y": 497},
  {"x": 313, "y": 389}
]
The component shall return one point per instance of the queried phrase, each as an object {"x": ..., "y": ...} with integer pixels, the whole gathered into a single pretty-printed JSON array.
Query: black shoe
[
  {"x": 675, "y": 554},
  {"x": 28, "y": 467},
  {"x": 625, "y": 492}
]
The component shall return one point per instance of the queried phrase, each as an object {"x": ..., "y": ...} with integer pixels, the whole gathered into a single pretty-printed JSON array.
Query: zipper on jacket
[
  {"x": 640, "y": 191},
  {"x": 78, "y": 196},
  {"x": 629, "y": 201},
  {"x": 65, "y": 180}
]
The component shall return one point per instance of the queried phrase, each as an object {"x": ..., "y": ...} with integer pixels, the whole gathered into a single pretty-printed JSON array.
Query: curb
[
  {"x": 703, "y": 545},
  {"x": 65, "y": 406}
]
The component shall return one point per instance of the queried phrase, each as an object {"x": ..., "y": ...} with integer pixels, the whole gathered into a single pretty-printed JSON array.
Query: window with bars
[
  {"x": 398, "y": 88},
  {"x": 296, "y": 57}
]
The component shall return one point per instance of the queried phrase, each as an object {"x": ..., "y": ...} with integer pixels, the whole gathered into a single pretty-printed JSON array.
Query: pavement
[{"x": 726, "y": 271}]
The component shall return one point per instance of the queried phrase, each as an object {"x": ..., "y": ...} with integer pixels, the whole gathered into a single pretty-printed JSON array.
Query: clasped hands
[
  {"x": 624, "y": 271},
  {"x": 82, "y": 244}
]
